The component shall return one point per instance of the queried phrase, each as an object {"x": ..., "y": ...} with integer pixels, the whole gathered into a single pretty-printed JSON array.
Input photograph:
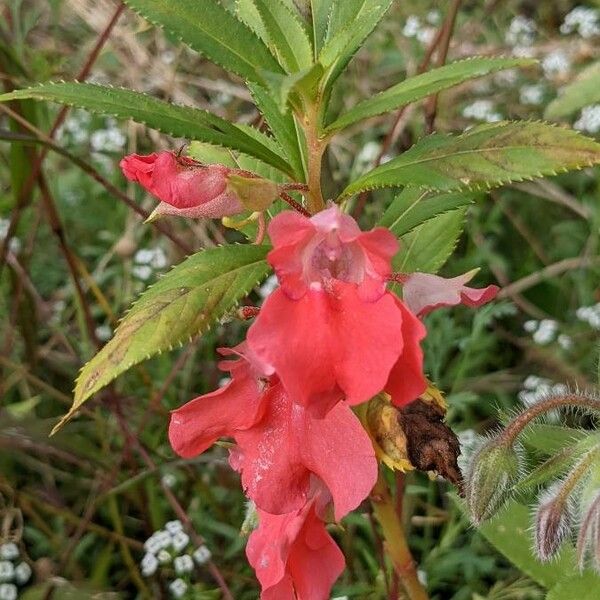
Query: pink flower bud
[{"x": 186, "y": 187}]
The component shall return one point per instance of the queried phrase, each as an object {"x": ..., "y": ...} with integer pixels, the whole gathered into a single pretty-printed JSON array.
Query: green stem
[
  {"x": 396, "y": 545},
  {"x": 316, "y": 147}
]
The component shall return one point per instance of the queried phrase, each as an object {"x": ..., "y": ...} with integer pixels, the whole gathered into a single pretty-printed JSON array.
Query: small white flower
[
  {"x": 433, "y": 17},
  {"x": 521, "y": 32},
  {"x": 142, "y": 272},
  {"x": 556, "y": 63},
  {"x": 8, "y": 591},
  {"x": 180, "y": 540},
  {"x": 530, "y": 326},
  {"x": 152, "y": 545},
  {"x": 545, "y": 332},
  {"x": 149, "y": 565},
  {"x": 183, "y": 564},
  {"x": 565, "y": 342},
  {"x": 164, "y": 557},
  {"x": 589, "y": 120},
  {"x": 9, "y": 551},
  {"x": 412, "y": 26},
  {"x": 104, "y": 332},
  {"x": 585, "y": 21},
  {"x": 163, "y": 538},
  {"x": 482, "y": 110},
  {"x": 202, "y": 555},
  {"x": 22, "y": 573},
  {"x": 531, "y": 94},
  {"x": 178, "y": 588},
  {"x": 174, "y": 526},
  {"x": 7, "y": 570},
  {"x": 170, "y": 481}
]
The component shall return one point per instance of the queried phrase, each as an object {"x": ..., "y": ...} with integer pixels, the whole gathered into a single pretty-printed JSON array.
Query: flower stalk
[
  {"x": 316, "y": 146},
  {"x": 396, "y": 545}
]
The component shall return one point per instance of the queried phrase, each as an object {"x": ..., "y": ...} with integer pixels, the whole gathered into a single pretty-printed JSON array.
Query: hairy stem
[{"x": 396, "y": 545}]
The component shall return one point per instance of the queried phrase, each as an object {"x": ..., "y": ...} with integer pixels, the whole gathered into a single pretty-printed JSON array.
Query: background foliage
[{"x": 95, "y": 491}]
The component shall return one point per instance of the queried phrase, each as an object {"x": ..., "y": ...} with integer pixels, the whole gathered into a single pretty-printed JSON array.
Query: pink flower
[
  {"x": 184, "y": 186},
  {"x": 424, "y": 292},
  {"x": 282, "y": 449},
  {"x": 293, "y": 555},
  {"x": 333, "y": 331}
]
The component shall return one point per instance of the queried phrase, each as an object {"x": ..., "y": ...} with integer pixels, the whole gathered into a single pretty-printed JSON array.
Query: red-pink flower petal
[
  {"x": 183, "y": 186},
  {"x": 407, "y": 381},
  {"x": 201, "y": 422},
  {"x": 424, "y": 292},
  {"x": 279, "y": 456},
  {"x": 294, "y": 557},
  {"x": 326, "y": 346},
  {"x": 314, "y": 253}
]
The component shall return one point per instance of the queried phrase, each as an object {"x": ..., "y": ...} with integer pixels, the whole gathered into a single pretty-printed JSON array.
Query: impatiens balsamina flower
[
  {"x": 293, "y": 555},
  {"x": 424, "y": 292},
  {"x": 332, "y": 331},
  {"x": 184, "y": 186},
  {"x": 282, "y": 448}
]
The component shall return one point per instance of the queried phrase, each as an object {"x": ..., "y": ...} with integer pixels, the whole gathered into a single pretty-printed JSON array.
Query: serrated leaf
[
  {"x": 320, "y": 12},
  {"x": 414, "y": 206},
  {"x": 282, "y": 126},
  {"x": 352, "y": 21},
  {"x": 581, "y": 92},
  {"x": 209, "y": 28},
  {"x": 281, "y": 87},
  {"x": 483, "y": 157},
  {"x": 182, "y": 304},
  {"x": 420, "y": 86},
  {"x": 286, "y": 36},
  {"x": 175, "y": 120},
  {"x": 429, "y": 246}
]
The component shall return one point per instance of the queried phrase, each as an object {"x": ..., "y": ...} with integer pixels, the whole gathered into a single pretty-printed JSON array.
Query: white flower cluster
[
  {"x": 589, "y": 120},
  {"x": 556, "y": 63},
  {"x": 536, "y": 388},
  {"x": 414, "y": 28},
  {"x": 583, "y": 20},
  {"x": 531, "y": 94},
  {"x": 111, "y": 139},
  {"x": 589, "y": 315},
  {"x": 546, "y": 331},
  {"x": 482, "y": 110},
  {"x": 147, "y": 260},
  {"x": 75, "y": 128},
  {"x": 13, "y": 571},
  {"x": 521, "y": 32},
  {"x": 171, "y": 545}
]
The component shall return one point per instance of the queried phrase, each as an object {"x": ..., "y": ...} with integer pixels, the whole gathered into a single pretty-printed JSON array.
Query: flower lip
[{"x": 317, "y": 253}]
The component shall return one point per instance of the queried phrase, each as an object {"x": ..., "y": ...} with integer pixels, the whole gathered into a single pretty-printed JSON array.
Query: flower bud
[
  {"x": 552, "y": 521},
  {"x": 588, "y": 540},
  {"x": 492, "y": 472}
]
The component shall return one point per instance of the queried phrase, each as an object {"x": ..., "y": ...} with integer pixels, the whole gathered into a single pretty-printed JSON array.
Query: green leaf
[
  {"x": 175, "y": 120},
  {"x": 581, "y": 587},
  {"x": 421, "y": 86},
  {"x": 282, "y": 126},
  {"x": 413, "y": 206},
  {"x": 182, "y": 304},
  {"x": 483, "y": 157},
  {"x": 282, "y": 87},
  {"x": 320, "y": 11},
  {"x": 352, "y": 21},
  {"x": 286, "y": 35},
  {"x": 209, "y": 28},
  {"x": 550, "y": 439},
  {"x": 429, "y": 246},
  {"x": 510, "y": 533},
  {"x": 581, "y": 92}
]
